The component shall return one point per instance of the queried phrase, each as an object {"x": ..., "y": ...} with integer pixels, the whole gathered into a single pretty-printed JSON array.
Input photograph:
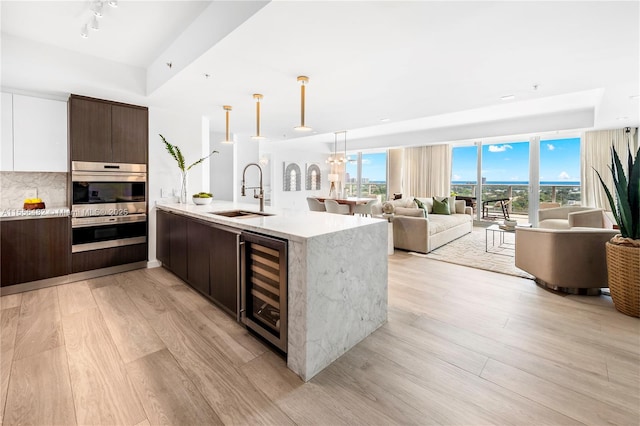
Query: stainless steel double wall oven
[{"x": 109, "y": 205}]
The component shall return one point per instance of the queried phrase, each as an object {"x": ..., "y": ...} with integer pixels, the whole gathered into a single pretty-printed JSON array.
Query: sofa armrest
[
  {"x": 587, "y": 219},
  {"x": 469, "y": 211},
  {"x": 411, "y": 233},
  {"x": 553, "y": 213}
]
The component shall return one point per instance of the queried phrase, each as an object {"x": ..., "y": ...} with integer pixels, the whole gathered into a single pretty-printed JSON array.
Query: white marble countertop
[
  {"x": 285, "y": 223},
  {"x": 13, "y": 214}
]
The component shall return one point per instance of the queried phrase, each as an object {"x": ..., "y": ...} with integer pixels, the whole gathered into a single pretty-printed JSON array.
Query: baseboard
[{"x": 154, "y": 264}]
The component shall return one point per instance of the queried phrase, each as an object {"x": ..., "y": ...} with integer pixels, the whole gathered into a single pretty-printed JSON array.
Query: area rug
[{"x": 469, "y": 250}]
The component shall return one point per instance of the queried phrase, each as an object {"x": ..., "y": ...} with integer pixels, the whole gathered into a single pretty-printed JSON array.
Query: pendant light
[
  {"x": 258, "y": 97},
  {"x": 227, "y": 138},
  {"x": 335, "y": 159},
  {"x": 303, "y": 80}
]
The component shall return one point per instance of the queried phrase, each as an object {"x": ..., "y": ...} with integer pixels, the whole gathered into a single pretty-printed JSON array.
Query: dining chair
[
  {"x": 315, "y": 205},
  {"x": 365, "y": 209},
  {"x": 332, "y": 206}
]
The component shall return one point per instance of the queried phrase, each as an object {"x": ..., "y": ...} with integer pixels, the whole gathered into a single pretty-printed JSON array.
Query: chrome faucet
[{"x": 259, "y": 195}]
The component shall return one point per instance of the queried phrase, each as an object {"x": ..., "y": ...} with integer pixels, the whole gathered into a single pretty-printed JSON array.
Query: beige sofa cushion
[
  {"x": 406, "y": 211},
  {"x": 442, "y": 222}
]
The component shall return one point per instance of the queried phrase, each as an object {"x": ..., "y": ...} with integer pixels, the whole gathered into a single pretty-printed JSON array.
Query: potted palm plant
[
  {"x": 175, "y": 152},
  {"x": 623, "y": 251}
]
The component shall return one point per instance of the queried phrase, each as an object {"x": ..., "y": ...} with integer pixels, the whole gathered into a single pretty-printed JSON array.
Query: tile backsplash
[{"x": 16, "y": 186}]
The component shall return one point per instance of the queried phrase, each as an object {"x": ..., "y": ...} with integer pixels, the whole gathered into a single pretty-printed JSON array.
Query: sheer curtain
[
  {"x": 427, "y": 171},
  {"x": 596, "y": 154}
]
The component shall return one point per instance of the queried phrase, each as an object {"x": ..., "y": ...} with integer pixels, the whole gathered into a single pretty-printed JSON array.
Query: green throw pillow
[
  {"x": 421, "y": 205},
  {"x": 441, "y": 207}
]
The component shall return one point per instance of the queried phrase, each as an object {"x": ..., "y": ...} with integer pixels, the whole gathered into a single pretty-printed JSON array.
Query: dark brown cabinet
[
  {"x": 89, "y": 130},
  {"x": 198, "y": 248},
  {"x": 223, "y": 268},
  {"x": 202, "y": 254},
  {"x": 105, "y": 131},
  {"x": 129, "y": 134},
  {"x": 34, "y": 249},
  {"x": 171, "y": 246}
]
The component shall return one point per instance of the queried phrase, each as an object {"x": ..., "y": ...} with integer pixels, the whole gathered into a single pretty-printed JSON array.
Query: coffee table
[{"x": 502, "y": 247}]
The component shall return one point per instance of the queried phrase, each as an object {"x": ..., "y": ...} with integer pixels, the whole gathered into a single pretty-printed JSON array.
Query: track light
[
  {"x": 303, "y": 82},
  {"x": 84, "y": 32},
  {"x": 113, "y": 3},
  {"x": 258, "y": 97},
  {"x": 97, "y": 9},
  {"x": 95, "y": 25}
]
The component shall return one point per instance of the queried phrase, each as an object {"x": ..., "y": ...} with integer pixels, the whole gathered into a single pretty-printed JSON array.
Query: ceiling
[{"x": 420, "y": 66}]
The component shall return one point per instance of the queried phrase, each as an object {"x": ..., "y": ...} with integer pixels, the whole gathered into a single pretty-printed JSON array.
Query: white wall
[
  {"x": 221, "y": 168},
  {"x": 182, "y": 130},
  {"x": 37, "y": 68},
  {"x": 246, "y": 151},
  {"x": 279, "y": 155}
]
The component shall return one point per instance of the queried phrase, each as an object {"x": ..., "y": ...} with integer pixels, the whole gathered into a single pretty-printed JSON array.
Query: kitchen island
[{"x": 337, "y": 276}]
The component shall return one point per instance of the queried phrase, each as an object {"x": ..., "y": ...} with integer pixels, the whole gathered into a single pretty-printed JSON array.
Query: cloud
[
  {"x": 499, "y": 148},
  {"x": 457, "y": 177},
  {"x": 366, "y": 161},
  {"x": 564, "y": 176},
  {"x": 550, "y": 147}
]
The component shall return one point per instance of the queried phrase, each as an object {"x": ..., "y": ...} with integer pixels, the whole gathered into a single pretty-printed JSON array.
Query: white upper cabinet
[
  {"x": 6, "y": 143},
  {"x": 39, "y": 135}
]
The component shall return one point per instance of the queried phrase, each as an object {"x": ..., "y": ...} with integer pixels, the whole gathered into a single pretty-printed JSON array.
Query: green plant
[
  {"x": 177, "y": 155},
  {"x": 626, "y": 207}
]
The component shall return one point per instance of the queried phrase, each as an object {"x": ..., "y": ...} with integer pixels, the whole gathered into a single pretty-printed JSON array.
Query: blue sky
[
  {"x": 374, "y": 166},
  {"x": 559, "y": 161}
]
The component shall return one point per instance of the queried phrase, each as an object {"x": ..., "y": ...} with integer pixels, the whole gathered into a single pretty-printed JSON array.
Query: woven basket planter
[{"x": 623, "y": 267}]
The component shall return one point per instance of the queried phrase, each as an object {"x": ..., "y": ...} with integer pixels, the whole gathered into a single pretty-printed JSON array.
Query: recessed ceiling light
[
  {"x": 622, "y": 118},
  {"x": 508, "y": 97},
  {"x": 634, "y": 97},
  {"x": 384, "y": 120}
]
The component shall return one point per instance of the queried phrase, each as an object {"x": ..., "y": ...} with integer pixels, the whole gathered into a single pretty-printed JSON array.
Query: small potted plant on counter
[
  {"x": 623, "y": 251},
  {"x": 175, "y": 152}
]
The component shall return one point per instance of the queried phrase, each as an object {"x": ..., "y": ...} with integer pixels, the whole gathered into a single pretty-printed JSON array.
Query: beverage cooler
[{"x": 263, "y": 287}]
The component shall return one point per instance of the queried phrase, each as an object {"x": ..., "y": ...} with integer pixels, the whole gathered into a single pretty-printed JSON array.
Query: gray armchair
[
  {"x": 315, "y": 205},
  {"x": 570, "y": 216},
  {"x": 332, "y": 206},
  {"x": 567, "y": 260},
  {"x": 365, "y": 209}
]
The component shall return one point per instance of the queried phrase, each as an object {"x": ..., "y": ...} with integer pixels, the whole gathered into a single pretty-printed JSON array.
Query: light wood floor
[{"x": 462, "y": 346}]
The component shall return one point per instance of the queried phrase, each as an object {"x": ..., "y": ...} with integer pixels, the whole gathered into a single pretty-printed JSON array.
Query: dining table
[{"x": 352, "y": 202}]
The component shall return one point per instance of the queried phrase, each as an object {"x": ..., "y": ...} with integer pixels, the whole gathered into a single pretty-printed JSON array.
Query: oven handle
[
  {"x": 83, "y": 222},
  {"x": 118, "y": 176}
]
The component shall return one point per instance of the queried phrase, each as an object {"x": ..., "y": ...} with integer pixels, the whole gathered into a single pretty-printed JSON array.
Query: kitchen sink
[{"x": 240, "y": 214}]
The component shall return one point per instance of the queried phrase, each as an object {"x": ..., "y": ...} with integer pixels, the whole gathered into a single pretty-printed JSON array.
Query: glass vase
[{"x": 183, "y": 187}]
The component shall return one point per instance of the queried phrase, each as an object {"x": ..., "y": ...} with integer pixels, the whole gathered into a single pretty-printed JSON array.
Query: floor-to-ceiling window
[
  {"x": 464, "y": 177},
  {"x": 505, "y": 174},
  {"x": 560, "y": 172},
  {"x": 366, "y": 175}
]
